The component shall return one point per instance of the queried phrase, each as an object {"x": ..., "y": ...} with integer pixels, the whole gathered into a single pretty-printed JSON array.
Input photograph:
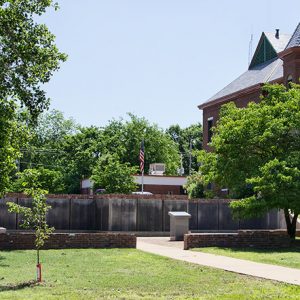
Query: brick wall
[
  {"x": 240, "y": 239},
  {"x": 25, "y": 240},
  {"x": 213, "y": 110},
  {"x": 163, "y": 189}
]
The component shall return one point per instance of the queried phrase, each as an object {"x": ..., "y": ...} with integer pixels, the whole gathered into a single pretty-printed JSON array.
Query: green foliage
[
  {"x": 114, "y": 176},
  {"x": 78, "y": 156},
  {"x": 46, "y": 179},
  {"x": 28, "y": 54},
  {"x": 59, "y": 144},
  {"x": 28, "y": 58},
  {"x": 47, "y": 137},
  {"x": 13, "y": 134},
  {"x": 188, "y": 140},
  {"x": 51, "y": 128},
  {"x": 256, "y": 153},
  {"x": 35, "y": 217},
  {"x": 194, "y": 186},
  {"x": 124, "y": 139}
]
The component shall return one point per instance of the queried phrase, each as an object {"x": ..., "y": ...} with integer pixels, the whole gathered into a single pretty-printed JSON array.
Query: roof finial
[{"x": 277, "y": 34}]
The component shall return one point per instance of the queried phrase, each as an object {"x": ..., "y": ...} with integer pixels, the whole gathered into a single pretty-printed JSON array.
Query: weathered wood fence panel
[
  {"x": 150, "y": 215},
  {"x": 7, "y": 219},
  {"x": 130, "y": 213},
  {"x": 208, "y": 215},
  {"x": 59, "y": 216}
]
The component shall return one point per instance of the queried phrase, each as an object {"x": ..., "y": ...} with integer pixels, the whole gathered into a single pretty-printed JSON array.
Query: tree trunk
[{"x": 291, "y": 223}]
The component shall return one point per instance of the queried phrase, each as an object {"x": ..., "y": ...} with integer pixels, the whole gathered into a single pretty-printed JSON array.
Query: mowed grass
[
  {"x": 126, "y": 274},
  {"x": 283, "y": 257}
]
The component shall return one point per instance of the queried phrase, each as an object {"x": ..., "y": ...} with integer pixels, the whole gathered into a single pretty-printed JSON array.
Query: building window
[{"x": 209, "y": 128}]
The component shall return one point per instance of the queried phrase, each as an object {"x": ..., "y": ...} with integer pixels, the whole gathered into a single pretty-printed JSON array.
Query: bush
[{"x": 195, "y": 186}]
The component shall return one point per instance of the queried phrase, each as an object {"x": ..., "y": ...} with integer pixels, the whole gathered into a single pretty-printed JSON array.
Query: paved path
[{"x": 162, "y": 246}]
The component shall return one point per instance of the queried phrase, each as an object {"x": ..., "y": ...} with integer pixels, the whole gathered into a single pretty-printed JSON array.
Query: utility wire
[{"x": 38, "y": 164}]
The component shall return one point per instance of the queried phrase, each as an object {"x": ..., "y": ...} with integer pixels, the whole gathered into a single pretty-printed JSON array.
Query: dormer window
[{"x": 210, "y": 124}]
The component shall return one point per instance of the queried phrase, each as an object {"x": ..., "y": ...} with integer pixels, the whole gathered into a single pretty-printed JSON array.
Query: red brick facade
[
  {"x": 163, "y": 189},
  {"x": 212, "y": 111},
  {"x": 291, "y": 64},
  {"x": 290, "y": 57},
  {"x": 25, "y": 240},
  {"x": 241, "y": 239}
]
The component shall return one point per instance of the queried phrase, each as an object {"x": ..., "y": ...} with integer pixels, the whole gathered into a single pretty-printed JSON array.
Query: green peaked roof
[{"x": 264, "y": 52}]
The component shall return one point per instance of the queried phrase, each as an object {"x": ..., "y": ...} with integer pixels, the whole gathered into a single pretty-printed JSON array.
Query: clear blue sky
[{"x": 155, "y": 58}]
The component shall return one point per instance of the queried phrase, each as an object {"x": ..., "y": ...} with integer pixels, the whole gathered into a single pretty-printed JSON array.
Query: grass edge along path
[
  {"x": 126, "y": 274},
  {"x": 289, "y": 257}
]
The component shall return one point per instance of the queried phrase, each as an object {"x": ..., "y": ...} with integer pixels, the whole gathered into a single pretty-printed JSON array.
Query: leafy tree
[
  {"x": 28, "y": 55},
  {"x": 188, "y": 140},
  {"x": 47, "y": 137},
  {"x": 256, "y": 154},
  {"x": 114, "y": 176},
  {"x": 50, "y": 180},
  {"x": 13, "y": 134},
  {"x": 28, "y": 58},
  {"x": 124, "y": 138},
  {"x": 78, "y": 156},
  {"x": 35, "y": 217},
  {"x": 52, "y": 127},
  {"x": 195, "y": 186},
  {"x": 60, "y": 144},
  {"x": 120, "y": 138}
]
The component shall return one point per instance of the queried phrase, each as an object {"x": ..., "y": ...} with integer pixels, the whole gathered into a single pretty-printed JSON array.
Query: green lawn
[
  {"x": 126, "y": 274},
  {"x": 282, "y": 257}
]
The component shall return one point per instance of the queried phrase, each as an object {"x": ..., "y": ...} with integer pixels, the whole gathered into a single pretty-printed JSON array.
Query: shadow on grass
[
  {"x": 18, "y": 286},
  {"x": 295, "y": 248}
]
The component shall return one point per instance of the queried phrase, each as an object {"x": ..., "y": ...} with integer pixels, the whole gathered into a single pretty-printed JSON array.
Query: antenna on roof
[{"x": 250, "y": 49}]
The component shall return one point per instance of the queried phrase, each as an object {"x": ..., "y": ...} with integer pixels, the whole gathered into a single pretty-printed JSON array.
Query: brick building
[
  {"x": 275, "y": 60},
  {"x": 155, "y": 184},
  {"x": 170, "y": 185}
]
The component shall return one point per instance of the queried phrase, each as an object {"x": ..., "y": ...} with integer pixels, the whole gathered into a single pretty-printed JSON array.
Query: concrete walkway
[{"x": 162, "y": 246}]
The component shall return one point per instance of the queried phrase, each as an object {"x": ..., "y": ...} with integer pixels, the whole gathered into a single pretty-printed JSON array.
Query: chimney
[{"x": 277, "y": 34}]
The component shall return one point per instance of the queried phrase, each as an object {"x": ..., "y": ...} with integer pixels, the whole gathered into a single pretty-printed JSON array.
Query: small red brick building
[
  {"x": 275, "y": 60},
  {"x": 164, "y": 185},
  {"x": 155, "y": 184}
]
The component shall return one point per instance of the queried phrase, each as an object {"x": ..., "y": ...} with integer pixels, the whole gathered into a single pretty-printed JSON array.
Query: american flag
[{"x": 142, "y": 158}]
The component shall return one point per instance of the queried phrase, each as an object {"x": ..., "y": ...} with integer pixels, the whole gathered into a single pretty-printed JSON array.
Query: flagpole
[
  {"x": 143, "y": 142},
  {"x": 142, "y": 163},
  {"x": 143, "y": 182}
]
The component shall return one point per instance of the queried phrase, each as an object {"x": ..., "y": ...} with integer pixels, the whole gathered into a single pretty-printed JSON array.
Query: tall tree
[
  {"x": 188, "y": 140},
  {"x": 124, "y": 138},
  {"x": 47, "y": 137},
  {"x": 114, "y": 176},
  {"x": 78, "y": 156},
  {"x": 13, "y": 134},
  {"x": 28, "y": 55},
  {"x": 60, "y": 144},
  {"x": 256, "y": 154},
  {"x": 28, "y": 58}
]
